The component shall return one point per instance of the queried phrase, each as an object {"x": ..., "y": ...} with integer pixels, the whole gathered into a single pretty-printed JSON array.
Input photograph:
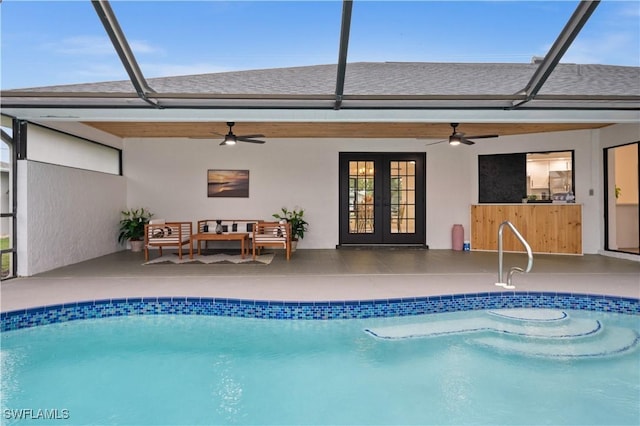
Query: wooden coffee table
[{"x": 212, "y": 236}]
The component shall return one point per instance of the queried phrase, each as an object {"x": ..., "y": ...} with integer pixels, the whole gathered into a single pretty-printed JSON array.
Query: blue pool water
[{"x": 453, "y": 368}]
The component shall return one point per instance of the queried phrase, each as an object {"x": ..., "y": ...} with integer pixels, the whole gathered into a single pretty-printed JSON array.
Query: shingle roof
[{"x": 390, "y": 78}]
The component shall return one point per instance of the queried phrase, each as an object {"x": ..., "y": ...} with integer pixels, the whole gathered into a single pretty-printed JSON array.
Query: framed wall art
[{"x": 228, "y": 183}]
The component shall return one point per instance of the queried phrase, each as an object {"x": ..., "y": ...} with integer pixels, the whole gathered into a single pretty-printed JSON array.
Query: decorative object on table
[
  {"x": 205, "y": 228},
  {"x": 218, "y": 226},
  {"x": 228, "y": 183},
  {"x": 298, "y": 225},
  {"x": 132, "y": 227}
]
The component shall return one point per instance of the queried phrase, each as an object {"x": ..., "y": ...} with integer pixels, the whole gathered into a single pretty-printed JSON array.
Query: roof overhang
[
  {"x": 325, "y": 123},
  {"x": 418, "y": 111},
  {"x": 14, "y": 100}
]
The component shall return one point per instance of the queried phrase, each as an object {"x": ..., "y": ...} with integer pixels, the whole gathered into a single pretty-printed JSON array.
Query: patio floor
[{"x": 322, "y": 275}]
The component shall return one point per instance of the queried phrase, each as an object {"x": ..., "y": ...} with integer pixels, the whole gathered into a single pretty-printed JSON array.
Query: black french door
[{"x": 382, "y": 198}]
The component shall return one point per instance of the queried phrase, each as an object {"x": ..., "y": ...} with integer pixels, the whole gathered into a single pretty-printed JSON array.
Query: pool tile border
[{"x": 323, "y": 310}]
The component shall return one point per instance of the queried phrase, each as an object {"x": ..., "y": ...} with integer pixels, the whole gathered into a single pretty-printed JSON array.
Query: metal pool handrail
[{"x": 501, "y": 253}]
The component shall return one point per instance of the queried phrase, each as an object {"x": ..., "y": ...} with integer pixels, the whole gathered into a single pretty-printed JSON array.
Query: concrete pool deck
[{"x": 322, "y": 275}]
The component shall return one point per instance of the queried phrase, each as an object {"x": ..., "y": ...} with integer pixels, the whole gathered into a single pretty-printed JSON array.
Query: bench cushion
[
  {"x": 169, "y": 233},
  {"x": 241, "y": 225}
]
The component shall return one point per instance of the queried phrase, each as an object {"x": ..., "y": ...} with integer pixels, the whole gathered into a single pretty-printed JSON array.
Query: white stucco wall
[
  {"x": 619, "y": 134},
  {"x": 168, "y": 176},
  {"x": 53, "y": 147},
  {"x": 449, "y": 192},
  {"x": 65, "y": 215}
]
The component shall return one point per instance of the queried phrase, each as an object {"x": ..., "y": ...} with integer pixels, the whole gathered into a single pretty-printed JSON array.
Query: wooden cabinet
[{"x": 548, "y": 228}]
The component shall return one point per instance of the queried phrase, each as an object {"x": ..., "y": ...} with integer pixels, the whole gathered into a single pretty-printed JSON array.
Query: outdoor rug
[{"x": 209, "y": 257}]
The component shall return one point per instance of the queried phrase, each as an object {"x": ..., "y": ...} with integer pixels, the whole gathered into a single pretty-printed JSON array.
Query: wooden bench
[
  {"x": 160, "y": 234},
  {"x": 272, "y": 234},
  {"x": 229, "y": 226}
]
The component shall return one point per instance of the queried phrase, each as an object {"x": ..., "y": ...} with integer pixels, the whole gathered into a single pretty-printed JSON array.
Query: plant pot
[
  {"x": 294, "y": 245},
  {"x": 136, "y": 245}
]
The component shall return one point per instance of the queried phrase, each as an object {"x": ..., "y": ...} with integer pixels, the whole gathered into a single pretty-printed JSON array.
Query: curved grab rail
[{"x": 513, "y": 269}]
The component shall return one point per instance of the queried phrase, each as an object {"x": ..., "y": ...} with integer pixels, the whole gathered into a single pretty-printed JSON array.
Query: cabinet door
[
  {"x": 559, "y": 165},
  {"x": 538, "y": 174}
]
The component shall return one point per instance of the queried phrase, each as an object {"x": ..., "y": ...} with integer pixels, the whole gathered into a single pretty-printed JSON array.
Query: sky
[{"x": 46, "y": 43}]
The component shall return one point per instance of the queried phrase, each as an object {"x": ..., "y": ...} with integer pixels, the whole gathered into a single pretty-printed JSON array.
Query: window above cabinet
[{"x": 549, "y": 175}]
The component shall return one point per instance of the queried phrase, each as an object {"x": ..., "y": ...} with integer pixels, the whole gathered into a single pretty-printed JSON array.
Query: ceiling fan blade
[
  {"x": 251, "y": 136},
  {"x": 435, "y": 143},
  {"x": 246, "y": 139},
  {"x": 482, "y": 136},
  {"x": 207, "y": 137},
  {"x": 466, "y": 141}
]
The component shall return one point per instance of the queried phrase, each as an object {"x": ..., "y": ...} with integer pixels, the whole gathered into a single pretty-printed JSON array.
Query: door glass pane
[
  {"x": 549, "y": 175},
  {"x": 361, "y": 192},
  {"x": 403, "y": 197},
  {"x": 623, "y": 225}
]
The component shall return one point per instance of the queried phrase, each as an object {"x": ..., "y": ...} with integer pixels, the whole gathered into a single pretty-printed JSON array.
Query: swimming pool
[{"x": 201, "y": 369}]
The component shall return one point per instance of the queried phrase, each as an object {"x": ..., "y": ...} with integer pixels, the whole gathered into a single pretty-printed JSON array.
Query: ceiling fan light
[
  {"x": 229, "y": 139},
  {"x": 454, "y": 141}
]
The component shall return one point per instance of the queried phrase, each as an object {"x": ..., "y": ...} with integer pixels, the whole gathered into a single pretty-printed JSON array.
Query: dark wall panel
[{"x": 502, "y": 178}]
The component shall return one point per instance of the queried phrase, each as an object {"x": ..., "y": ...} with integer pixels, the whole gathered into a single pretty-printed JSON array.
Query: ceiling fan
[
  {"x": 458, "y": 138},
  {"x": 231, "y": 139}
]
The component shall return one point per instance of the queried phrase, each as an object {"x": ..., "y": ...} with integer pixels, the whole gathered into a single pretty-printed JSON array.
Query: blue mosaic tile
[{"x": 322, "y": 310}]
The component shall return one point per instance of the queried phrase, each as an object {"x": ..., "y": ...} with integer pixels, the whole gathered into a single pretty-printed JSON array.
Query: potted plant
[
  {"x": 132, "y": 227},
  {"x": 298, "y": 224}
]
